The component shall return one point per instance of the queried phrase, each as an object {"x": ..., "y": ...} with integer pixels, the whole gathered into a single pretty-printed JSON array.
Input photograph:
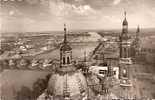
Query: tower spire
[
  {"x": 65, "y": 34},
  {"x": 125, "y": 20},
  {"x": 125, "y": 14},
  {"x": 138, "y": 29},
  {"x": 125, "y": 24},
  {"x": 137, "y": 32},
  {"x": 65, "y": 50}
]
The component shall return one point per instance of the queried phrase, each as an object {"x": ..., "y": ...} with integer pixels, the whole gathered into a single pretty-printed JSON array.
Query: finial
[
  {"x": 64, "y": 27},
  {"x": 125, "y": 14},
  {"x": 65, "y": 37},
  {"x": 125, "y": 22}
]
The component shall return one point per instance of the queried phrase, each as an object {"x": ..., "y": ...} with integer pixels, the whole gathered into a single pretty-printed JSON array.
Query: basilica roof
[{"x": 73, "y": 84}]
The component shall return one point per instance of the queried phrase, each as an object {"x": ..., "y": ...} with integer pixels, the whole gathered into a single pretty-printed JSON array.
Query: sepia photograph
[{"x": 77, "y": 49}]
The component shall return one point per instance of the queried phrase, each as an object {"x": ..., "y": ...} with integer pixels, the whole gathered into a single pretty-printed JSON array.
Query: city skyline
[{"x": 50, "y": 15}]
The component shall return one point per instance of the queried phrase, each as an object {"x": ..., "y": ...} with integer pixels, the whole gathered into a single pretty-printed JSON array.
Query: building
[
  {"x": 67, "y": 82},
  {"x": 125, "y": 59},
  {"x": 136, "y": 48},
  {"x": 137, "y": 40}
]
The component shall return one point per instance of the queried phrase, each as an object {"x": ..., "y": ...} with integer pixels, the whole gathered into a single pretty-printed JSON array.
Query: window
[
  {"x": 114, "y": 72},
  {"x": 68, "y": 60},
  {"x": 63, "y": 60},
  {"x": 125, "y": 51},
  {"x": 124, "y": 73}
]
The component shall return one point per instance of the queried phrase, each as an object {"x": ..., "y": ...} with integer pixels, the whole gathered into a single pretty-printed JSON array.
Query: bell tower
[
  {"x": 124, "y": 40},
  {"x": 137, "y": 41},
  {"x": 65, "y": 51},
  {"x": 125, "y": 25},
  {"x": 125, "y": 56}
]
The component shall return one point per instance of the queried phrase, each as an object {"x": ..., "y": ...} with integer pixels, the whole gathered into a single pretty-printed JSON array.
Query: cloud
[
  {"x": 83, "y": 10},
  {"x": 51, "y": 14},
  {"x": 111, "y": 19},
  {"x": 70, "y": 11},
  {"x": 115, "y": 2}
]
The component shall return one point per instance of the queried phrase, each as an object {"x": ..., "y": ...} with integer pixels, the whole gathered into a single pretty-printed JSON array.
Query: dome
[
  {"x": 65, "y": 47},
  {"x": 125, "y": 22},
  {"x": 72, "y": 84}
]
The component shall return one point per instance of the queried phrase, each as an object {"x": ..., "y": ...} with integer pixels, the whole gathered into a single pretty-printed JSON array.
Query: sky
[{"x": 50, "y": 15}]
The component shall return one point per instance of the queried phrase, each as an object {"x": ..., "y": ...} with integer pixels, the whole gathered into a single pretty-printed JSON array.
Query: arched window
[
  {"x": 124, "y": 73},
  {"x": 96, "y": 57},
  {"x": 129, "y": 52},
  {"x": 63, "y": 60},
  {"x": 125, "y": 52},
  {"x": 68, "y": 60},
  {"x": 122, "y": 55}
]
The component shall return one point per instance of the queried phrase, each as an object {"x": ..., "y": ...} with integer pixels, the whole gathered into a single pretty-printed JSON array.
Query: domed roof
[
  {"x": 125, "y": 22},
  {"x": 65, "y": 47},
  {"x": 72, "y": 84}
]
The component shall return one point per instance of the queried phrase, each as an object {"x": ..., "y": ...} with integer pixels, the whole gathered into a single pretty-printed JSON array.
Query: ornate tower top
[
  {"x": 65, "y": 31},
  {"x": 138, "y": 29},
  {"x": 65, "y": 46},
  {"x": 137, "y": 32},
  {"x": 125, "y": 22},
  {"x": 65, "y": 51},
  {"x": 124, "y": 34}
]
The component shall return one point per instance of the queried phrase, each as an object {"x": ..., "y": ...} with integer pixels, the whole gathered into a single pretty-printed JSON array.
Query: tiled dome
[{"x": 72, "y": 84}]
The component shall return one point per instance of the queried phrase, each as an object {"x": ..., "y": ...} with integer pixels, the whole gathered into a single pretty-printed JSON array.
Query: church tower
[
  {"x": 137, "y": 41},
  {"x": 125, "y": 57},
  {"x": 137, "y": 32},
  {"x": 124, "y": 46},
  {"x": 67, "y": 83},
  {"x": 124, "y": 40},
  {"x": 65, "y": 51}
]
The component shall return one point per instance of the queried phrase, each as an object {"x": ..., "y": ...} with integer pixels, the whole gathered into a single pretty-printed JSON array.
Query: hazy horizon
[{"x": 84, "y": 30}]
